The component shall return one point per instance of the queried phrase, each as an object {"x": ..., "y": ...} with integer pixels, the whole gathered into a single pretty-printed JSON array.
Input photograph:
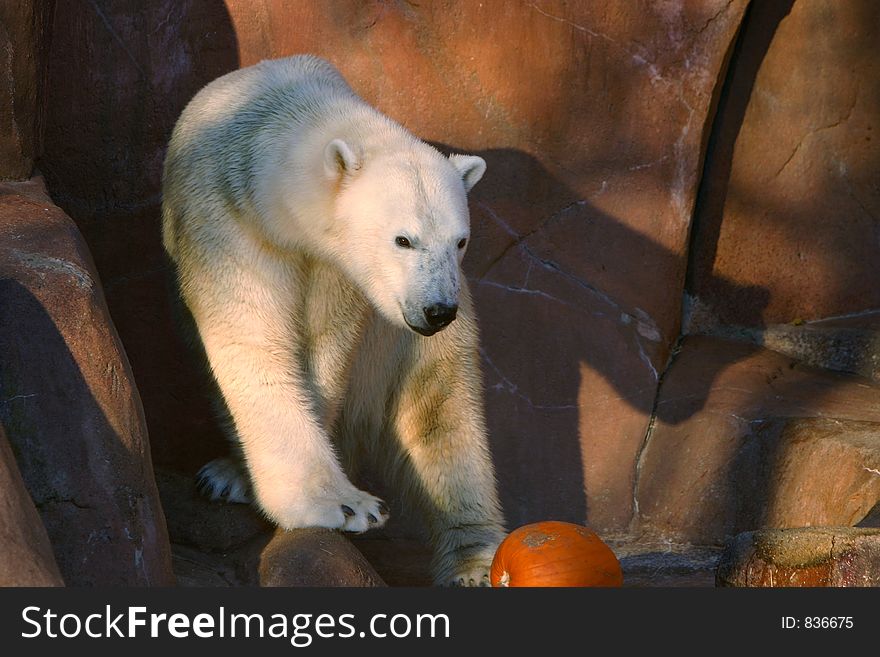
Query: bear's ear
[
  {"x": 471, "y": 168},
  {"x": 340, "y": 159}
]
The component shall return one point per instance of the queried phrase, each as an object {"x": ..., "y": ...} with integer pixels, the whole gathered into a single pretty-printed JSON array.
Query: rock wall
[
  {"x": 789, "y": 213},
  {"x": 613, "y": 188}
]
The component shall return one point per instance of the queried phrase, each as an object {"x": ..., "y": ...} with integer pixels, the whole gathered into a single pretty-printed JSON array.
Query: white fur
[{"x": 285, "y": 201}]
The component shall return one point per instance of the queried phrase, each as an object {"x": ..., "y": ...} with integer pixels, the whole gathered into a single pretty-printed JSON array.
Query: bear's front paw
[
  {"x": 346, "y": 508},
  {"x": 467, "y": 566}
]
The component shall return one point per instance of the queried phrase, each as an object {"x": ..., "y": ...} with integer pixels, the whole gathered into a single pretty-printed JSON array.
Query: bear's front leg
[
  {"x": 440, "y": 424},
  {"x": 295, "y": 474}
]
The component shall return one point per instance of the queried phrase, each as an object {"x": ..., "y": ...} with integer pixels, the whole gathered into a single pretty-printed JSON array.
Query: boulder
[
  {"x": 802, "y": 557},
  {"x": 70, "y": 408},
  {"x": 27, "y": 558},
  {"x": 314, "y": 557},
  {"x": 746, "y": 437},
  {"x": 825, "y": 472}
]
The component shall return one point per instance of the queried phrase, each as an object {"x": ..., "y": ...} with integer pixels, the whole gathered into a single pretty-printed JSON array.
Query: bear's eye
[
  {"x": 462, "y": 243},
  {"x": 402, "y": 242}
]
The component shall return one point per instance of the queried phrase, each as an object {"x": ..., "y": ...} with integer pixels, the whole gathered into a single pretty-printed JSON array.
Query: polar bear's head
[{"x": 403, "y": 226}]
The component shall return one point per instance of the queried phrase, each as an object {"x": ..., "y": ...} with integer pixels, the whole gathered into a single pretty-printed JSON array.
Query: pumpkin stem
[{"x": 505, "y": 579}]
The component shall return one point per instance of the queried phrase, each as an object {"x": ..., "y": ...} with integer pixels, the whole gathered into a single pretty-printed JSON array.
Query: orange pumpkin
[{"x": 554, "y": 553}]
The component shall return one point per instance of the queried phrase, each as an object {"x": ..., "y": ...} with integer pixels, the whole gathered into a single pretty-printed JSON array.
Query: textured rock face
[
  {"x": 69, "y": 405},
  {"x": 784, "y": 257},
  {"x": 27, "y": 555},
  {"x": 802, "y": 557},
  {"x": 747, "y": 438},
  {"x": 23, "y": 28},
  {"x": 592, "y": 119},
  {"x": 797, "y": 222}
]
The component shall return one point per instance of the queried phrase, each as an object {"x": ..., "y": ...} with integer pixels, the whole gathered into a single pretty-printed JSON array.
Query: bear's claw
[{"x": 367, "y": 513}]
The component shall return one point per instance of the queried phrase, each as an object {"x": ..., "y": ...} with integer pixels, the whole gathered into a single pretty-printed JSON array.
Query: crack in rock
[
  {"x": 118, "y": 39},
  {"x": 715, "y": 16},
  {"x": 641, "y": 60},
  {"x": 512, "y": 388},
  {"x": 814, "y": 131},
  {"x": 645, "y": 327},
  {"x": 520, "y": 238},
  {"x": 54, "y": 499},
  {"x": 10, "y": 399},
  {"x": 525, "y": 290}
]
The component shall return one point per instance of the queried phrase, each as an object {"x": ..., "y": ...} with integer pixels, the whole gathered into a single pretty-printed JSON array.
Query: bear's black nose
[{"x": 440, "y": 314}]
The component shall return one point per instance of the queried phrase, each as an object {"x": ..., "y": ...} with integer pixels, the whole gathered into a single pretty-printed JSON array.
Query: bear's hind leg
[{"x": 225, "y": 479}]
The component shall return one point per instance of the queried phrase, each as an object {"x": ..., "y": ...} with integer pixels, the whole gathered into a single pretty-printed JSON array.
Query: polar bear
[{"x": 317, "y": 245}]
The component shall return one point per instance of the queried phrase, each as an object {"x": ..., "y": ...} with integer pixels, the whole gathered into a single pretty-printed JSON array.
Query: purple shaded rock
[{"x": 70, "y": 407}]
